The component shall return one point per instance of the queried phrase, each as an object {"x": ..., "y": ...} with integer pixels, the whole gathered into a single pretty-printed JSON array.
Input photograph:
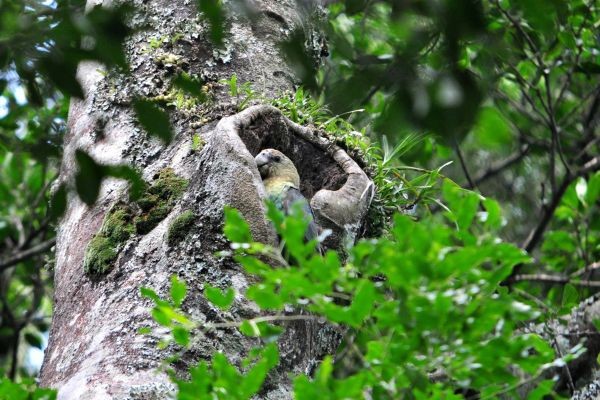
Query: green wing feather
[{"x": 292, "y": 196}]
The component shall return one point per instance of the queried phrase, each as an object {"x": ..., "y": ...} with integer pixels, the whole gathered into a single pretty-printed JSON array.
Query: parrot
[{"x": 282, "y": 183}]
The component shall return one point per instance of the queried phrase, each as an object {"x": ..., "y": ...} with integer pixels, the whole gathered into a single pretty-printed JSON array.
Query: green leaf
[
  {"x": 62, "y": 72},
  {"x": 544, "y": 390},
  {"x": 233, "y": 86},
  {"x": 254, "y": 378},
  {"x": 588, "y": 67},
  {"x": 213, "y": 11},
  {"x": 178, "y": 290},
  {"x": 463, "y": 203},
  {"x": 593, "y": 189},
  {"x": 325, "y": 370},
  {"x": 144, "y": 330},
  {"x": 90, "y": 175},
  {"x": 253, "y": 265},
  {"x": 191, "y": 86},
  {"x": 88, "y": 178},
  {"x": 161, "y": 317},
  {"x": 181, "y": 336},
  {"x": 197, "y": 142},
  {"x": 26, "y": 389},
  {"x": 541, "y": 15},
  {"x": 34, "y": 340},
  {"x": 236, "y": 228},
  {"x": 363, "y": 302},
  {"x": 137, "y": 184},
  {"x": 110, "y": 29},
  {"x": 154, "y": 120},
  {"x": 493, "y": 219},
  {"x": 305, "y": 389},
  {"x": 492, "y": 129},
  {"x": 221, "y": 299},
  {"x": 570, "y": 297},
  {"x": 58, "y": 203},
  {"x": 149, "y": 294},
  {"x": 265, "y": 296},
  {"x": 559, "y": 241}
]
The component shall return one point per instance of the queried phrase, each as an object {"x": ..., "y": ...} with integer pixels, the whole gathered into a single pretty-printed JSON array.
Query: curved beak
[
  {"x": 261, "y": 159},
  {"x": 262, "y": 162}
]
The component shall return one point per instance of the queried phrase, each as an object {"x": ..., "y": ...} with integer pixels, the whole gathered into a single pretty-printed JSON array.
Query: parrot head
[{"x": 273, "y": 164}]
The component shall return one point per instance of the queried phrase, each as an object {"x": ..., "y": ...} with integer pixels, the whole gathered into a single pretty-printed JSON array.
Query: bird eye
[{"x": 276, "y": 158}]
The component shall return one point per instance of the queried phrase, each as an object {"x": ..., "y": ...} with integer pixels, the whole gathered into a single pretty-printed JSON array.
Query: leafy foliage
[
  {"x": 26, "y": 390},
  {"x": 425, "y": 301},
  {"x": 50, "y": 36},
  {"x": 25, "y": 284}
]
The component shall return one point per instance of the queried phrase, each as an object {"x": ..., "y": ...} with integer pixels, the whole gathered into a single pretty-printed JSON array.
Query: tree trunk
[{"x": 95, "y": 350}]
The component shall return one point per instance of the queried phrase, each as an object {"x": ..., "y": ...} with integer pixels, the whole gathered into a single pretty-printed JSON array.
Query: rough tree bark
[{"x": 94, "y": 350}]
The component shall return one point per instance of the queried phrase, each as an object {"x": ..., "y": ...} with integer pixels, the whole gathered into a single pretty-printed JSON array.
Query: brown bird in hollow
[{"x": 282, "y": 183}]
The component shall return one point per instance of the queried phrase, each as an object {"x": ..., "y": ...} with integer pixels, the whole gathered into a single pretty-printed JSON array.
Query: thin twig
[
  {"x": 35, "y": 232},
  {"x": 266, "y": 318},
  {"x": 554, "y": 129},
  {"x": 553, "y": 136},
  {"x": 569, "y": 75},
  {"x": 463, "y": 164},
  {"x": 523, "y": 33},
  {"x": 531, "y": 297},
  {"x": 570, "y": 383},
  {"x": 589, "y": 268},
  {"x": 519, "y": 107},
  {"x": 582, "y": 102},
  {"x": 525, "y": 84}
]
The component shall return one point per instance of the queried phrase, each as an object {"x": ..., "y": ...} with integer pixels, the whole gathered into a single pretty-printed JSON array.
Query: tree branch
[
  {"x": 536, "y": 233},
  {"x": 555, "y": 279},
  {"x": 25, "y": 254},
  {"x": 463, "y": 165},
  {"x": 499, "y": 166}
]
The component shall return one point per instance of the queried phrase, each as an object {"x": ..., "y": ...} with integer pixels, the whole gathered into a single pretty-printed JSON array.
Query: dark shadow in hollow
[{"x": 316, "y": 168}]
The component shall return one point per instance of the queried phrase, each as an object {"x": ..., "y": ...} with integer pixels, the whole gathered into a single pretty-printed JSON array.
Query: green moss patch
[
  {"x": 103, "y": 249},
  {"x": 180, "y": 227},
  {"x": 120, "y": 223},
  {"x": 168, "y": 186},
  {"x": 159, "y": 199}
]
